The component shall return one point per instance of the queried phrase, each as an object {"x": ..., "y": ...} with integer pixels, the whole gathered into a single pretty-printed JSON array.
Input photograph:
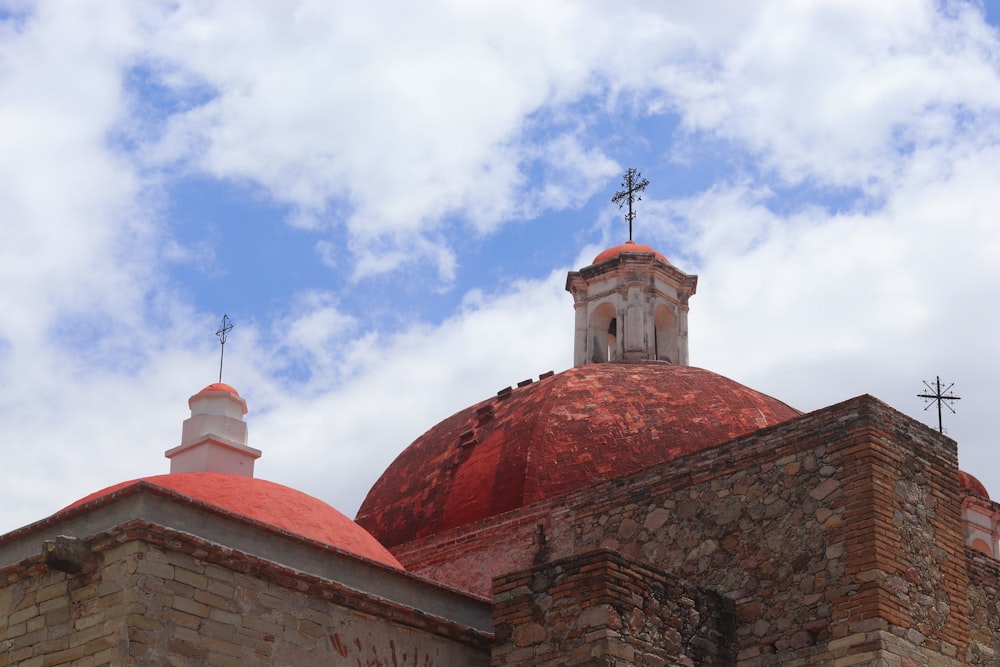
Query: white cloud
[
  {"x": 327, "y": 252},
  {"x": 201, "y": 253},
  {"x": 409, "y": 113},
  {"x": 397, "y": 119},
  {"x": 67, "y": 197},
  {"x": 317, "y": 334},
  {"x": 833, "y": 91},
  {"x": 821, "y": 306}
]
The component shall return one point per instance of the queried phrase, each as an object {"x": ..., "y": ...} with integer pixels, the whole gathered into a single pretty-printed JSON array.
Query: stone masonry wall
[
  {"x": 756, "y": 522},
  {"x": 48, "y": 618},
  {"x": 598, "y": 608},
  {"x": 984, "y": 609},
  {"x": 836, "y": 534},
  {"x": 160, "y": 597}
]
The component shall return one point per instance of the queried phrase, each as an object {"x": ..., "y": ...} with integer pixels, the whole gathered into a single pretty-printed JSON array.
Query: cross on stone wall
[{"x": 940, "y": 396}]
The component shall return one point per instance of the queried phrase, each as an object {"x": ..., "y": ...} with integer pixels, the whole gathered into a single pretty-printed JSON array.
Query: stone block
[
  {"x": 193, "y": 579},
  {"x": 161, "y": 570},
  {"x": 67, "y": 554},
  {"x": 189, "y": 606},
  {"x": 529, "y": 634}
]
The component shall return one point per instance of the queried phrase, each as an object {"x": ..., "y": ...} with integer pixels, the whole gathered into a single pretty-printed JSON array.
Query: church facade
[{"x": 630, "y": 511}]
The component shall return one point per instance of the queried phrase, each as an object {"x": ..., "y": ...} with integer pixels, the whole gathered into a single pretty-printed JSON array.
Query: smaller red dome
[
  {"x": 971, "y": 485},
  {"x": 273, "y": 505},
  {"x": 219, "y": 386},
  {"x": 628, "y": 246}
]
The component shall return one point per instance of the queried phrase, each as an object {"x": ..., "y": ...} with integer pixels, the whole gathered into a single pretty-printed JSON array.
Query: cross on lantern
[
  {"x": 633, "y": 183},
  {"x": 224, "y": 329}
]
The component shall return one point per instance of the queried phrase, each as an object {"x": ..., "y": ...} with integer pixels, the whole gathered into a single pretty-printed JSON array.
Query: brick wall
[
  {"x": 598, "y": 608},
  {"x": 470, "y": 556},
  {"x": 158, "y": 596}
]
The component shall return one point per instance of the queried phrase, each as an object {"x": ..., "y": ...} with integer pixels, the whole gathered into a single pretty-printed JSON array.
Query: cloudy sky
[{"x": 385, "y": 197}]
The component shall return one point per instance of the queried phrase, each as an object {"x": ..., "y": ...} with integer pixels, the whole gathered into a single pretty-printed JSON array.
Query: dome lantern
[
  {"x": 631, "y": 305},
  {"x": 214, "y": 438}
]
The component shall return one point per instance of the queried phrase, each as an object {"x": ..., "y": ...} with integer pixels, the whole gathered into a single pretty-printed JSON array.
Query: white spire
[{"x": 214, "y": 438}]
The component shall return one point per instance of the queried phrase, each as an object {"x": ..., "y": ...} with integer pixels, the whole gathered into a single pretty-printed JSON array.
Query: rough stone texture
[
  {"x": 597, "y": 607},
  {"x": 160, "y": 597},
  {"x": 837, "y": 535}
]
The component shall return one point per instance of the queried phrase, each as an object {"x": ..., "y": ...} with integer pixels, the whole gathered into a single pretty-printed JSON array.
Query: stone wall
[
  {"x": 835, "y": 534},
  {"x": 47, "y": 618},
  {"x": 598, "y": 608},
  {"x": 158, "y": 596},
  {"x": 984, "y": 609}
]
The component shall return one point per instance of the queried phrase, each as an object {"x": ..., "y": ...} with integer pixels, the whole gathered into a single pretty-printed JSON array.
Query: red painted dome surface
[
  {"x": 628, "y": 246},
  {"x": 585, "y": 425},
  {"x": 219, "y": 386},
  {"x": 972, "y": 485},
  {"x": 267, "y": 503}
]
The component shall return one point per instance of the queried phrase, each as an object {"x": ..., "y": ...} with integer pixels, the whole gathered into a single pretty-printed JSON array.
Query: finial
[
  {"x": 633, "y": 184},
  {"x": 224, "y": 329},
  {"x": 939, "y": 396}
]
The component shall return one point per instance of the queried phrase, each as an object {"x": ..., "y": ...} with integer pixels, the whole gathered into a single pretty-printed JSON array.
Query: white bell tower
[{"x": 631, "y": 305}]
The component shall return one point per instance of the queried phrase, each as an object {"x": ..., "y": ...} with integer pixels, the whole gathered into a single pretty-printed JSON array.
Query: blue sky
[{"x": 386, "y": 198}]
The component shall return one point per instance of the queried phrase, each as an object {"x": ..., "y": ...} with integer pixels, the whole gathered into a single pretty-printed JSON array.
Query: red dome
[
  {"x": 628, "y": 246},
  {"x": 585, "y": 425},
  {"x": 972, "y": 485},
  {"x": 268, "y": 503},
  {"x": 219, "y": 386}
]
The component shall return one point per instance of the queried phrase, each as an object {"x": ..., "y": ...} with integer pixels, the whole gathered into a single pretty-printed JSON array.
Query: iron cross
[
  {"x": 935, "y": 394},
  {"x": 633, "y": 184},
  {"x": 224, "y": 329}
]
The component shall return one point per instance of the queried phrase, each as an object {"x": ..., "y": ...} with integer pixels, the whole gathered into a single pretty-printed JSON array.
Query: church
[{"x": 632, "y": 510}]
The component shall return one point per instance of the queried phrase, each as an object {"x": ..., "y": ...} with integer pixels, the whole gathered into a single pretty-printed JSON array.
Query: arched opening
[
  {"x": 980, "y": 544},
  {"x": 603, "y": 334},
  {"x": 665, "y": 334}
]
